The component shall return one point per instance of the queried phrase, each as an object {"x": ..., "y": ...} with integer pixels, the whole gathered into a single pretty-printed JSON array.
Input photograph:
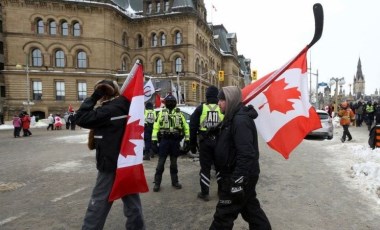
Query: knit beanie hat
[{"x": 212, "y": 92}]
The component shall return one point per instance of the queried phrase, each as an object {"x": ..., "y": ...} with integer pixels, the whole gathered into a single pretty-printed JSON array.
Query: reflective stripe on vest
[{"x": 149, "y": 115}]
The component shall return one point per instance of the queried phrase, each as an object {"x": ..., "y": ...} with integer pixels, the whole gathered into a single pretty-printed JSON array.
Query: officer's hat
[{"x": 170, "y": 97}]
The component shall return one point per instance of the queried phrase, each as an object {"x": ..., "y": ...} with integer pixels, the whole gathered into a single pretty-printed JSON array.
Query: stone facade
[{"x": 55, "y": 51}]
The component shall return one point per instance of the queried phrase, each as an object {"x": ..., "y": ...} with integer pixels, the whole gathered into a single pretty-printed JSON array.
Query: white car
[{"x": 327, "y": 130}]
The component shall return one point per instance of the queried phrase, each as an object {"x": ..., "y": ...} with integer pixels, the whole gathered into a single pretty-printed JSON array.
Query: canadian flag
[
  {"x": 130, "y": 176},
  {"x": 282, "y": 101},
  {"x": 157, "y": 100}
]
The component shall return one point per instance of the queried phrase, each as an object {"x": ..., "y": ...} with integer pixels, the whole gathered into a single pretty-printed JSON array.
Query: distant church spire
[{"x": 359, "y": 82}]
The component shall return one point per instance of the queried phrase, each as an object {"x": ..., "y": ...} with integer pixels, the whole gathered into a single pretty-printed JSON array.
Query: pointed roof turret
[{"x": 359, "y": 73}]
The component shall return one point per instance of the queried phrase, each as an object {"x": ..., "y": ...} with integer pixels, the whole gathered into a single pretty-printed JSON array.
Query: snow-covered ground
[{"x": 358, "y": 164}]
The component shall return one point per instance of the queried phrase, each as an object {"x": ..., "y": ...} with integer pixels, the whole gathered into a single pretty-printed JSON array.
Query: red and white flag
[
  {"x": 130, "y": 176},
  {"x": 281, "y": 99},
  {"x": 157, "y": 101}
]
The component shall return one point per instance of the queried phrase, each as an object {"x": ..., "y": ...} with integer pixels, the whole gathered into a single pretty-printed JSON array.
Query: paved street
[{"x": 46, "y": 181}]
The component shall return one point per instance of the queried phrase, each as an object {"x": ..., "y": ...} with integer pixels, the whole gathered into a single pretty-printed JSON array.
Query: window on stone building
[
  {"x": 158, "y": 7},
  {"x": 154, "y": 40},
  {"x": 82, "y": 90},
  {"x": 124, "y": 64},
  {"x": 52, "y": 28},
  {"x": 167, "y": 6},
  {"x": 1, "y": 48},
  {"x": 60, "y": 90},
  {"x": 37, "y": 90},
  {"x": 82, "y": 59},
  {"x": 163, "y": 39},
  {"x": 40, "y": 26},
  {"x": 159, "y": 66},
  {"x": 76, "y": 29},
  {"x": 140, "y": 41},
  {"x": 2, "y": 91},
  {"x": 178, "y": 38},
  {"x": 178, "y": 65},
  {"x": 1, "y": 26},
  {"x": 59, "y": 58},
  {"x": 36, "y": 57},
  {"x": 124, "y": 39},
  {"x": 149, "y": 8},
  {"x": 64, "y": 28},
  {"x": 197, "y": 66}
]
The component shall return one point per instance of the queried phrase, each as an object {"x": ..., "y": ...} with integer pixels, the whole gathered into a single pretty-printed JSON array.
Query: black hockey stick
[{"x": 318, "y": 18}]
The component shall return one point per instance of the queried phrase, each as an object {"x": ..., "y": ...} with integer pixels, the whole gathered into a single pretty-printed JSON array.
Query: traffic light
[
  {"x": 254, "y": 75},
  {"x": 194, "y": 86},
  {"x": 221, "y": 75}
]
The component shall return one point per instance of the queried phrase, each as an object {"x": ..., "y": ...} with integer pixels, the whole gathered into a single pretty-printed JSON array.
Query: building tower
[{"x": 359, "y": 82}]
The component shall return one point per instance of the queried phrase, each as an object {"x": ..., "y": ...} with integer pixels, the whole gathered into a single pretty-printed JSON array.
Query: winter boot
[
  {"x": 175, "y": 182},
  {"x": 157, "y": 183},
  {"x": 146, "y": 156},
  {"x": 203, "y": 196}
]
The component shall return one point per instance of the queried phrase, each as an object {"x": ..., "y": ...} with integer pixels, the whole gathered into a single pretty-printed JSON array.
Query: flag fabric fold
[
  {"x": 285, "y": 113},
  {"x": 130, "y": 176}
]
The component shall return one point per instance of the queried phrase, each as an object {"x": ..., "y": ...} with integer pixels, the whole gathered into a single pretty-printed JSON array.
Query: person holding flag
[
  {"x": 108, "y": 122},
  {"x": 237, "y": 161}
]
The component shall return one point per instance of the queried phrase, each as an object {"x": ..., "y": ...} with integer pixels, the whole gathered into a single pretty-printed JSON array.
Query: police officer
[
  {"x": 171, "y": 127},
  {"x": 150, "y": 117},
  {"x": 206, "y": 116}
]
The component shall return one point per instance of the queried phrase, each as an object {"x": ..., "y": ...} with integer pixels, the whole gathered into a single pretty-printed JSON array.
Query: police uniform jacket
[
  {"x": 237, "y": 150},
  {"x": 108, "y": 122}
]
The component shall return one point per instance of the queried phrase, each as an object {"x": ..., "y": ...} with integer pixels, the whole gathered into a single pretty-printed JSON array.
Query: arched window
[
  {"x": 158, "y": 7},
  {"x": 36, "y": 57},
  {"x": 178, "y": 65},
  {"x": 64, "y": 28},
  {"x": 52, "y": 28},
  {"x": 159, "y": 66},
  {"x": 76, "y": 29},
  {"x": 197, "y": 66},
  {"x": 140, "y": 41},
  {"x": 124, "y": 64},
  {"x": 163, "y": 39},
  {"x": 59, "y": 58},
  {"x": 178, "y": 38},
  {"x": 154, "y": 40},
  {"x": 40, "y": 26},
  {"x": 124, "y": 39},
  {"x": 82, "y": 59}
]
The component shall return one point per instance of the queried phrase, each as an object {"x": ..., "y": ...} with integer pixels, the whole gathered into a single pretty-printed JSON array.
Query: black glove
[
  {"x": 97, "y": 94},
  {"x": 237, "y": 187},
  {"x": 193, "y": 148},
  {"x": 155, "y": 147},
  {"x": 186, "y": 146}
]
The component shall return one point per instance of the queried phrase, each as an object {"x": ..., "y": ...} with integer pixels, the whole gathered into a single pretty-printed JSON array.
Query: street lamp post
[
  {"x": 200, "y": 82},
  {"x": 27, "y": 103},
  {"x": 340, "y": 82}
]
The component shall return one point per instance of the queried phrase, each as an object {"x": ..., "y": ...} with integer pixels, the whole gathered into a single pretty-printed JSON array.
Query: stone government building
[{"x": 53, "y": 51}]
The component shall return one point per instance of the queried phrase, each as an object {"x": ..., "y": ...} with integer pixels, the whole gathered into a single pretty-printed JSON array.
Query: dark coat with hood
[
  {"x": 108, "y": 124},
  {"x": 237, "y": 151}
]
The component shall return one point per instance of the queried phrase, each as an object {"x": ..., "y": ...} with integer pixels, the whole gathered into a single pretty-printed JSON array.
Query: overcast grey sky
[{"x": 271, "y": 32}]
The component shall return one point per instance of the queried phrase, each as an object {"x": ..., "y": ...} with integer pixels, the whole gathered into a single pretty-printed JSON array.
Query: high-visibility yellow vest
[
  {"x": 150, "y": 116},
  {"x": 171, "y": 122},
  {"x": 211, "y": 116}
]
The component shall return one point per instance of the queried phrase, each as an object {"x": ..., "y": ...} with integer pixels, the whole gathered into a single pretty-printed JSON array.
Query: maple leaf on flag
[
  {"x": 135, "y": 132},
  {"x": 278, "y": 97}
]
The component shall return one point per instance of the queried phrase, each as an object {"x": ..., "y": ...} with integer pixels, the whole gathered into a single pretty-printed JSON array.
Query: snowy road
[{"x": 46, "y": 181}]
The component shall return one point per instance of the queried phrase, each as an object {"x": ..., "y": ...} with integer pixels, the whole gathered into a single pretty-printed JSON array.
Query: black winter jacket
[
  {"x": 108, "y": 122},
  {"x": 237, "y": 150}
]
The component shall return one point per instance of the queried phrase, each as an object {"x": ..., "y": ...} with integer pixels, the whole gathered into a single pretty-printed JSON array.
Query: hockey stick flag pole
[
  {"x": 130, "y": 77},
  {"x": 318, "y": 18}
]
